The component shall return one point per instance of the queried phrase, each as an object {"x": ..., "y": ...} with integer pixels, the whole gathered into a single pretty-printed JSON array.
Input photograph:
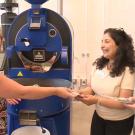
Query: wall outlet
[
  {"x": 76, "y": 84},
  {"x": 83, "y": 83}
]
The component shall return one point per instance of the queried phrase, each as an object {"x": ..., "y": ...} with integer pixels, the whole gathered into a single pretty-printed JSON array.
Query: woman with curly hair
[{"x": 112, "y": 78}]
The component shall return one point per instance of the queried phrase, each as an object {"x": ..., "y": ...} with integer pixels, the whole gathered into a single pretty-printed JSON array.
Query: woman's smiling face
[{"x": 108, "y": 47}]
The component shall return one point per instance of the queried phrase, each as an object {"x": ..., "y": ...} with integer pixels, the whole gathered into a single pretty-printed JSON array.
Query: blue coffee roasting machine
[{"x": 38, "y": 52}]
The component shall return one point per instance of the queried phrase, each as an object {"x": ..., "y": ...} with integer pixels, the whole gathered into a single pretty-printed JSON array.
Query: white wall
[
  {"x": 87, "y": 18},
  {"x": 120, "y": 15}
]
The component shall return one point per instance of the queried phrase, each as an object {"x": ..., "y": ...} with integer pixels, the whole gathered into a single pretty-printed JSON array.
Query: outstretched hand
[
  {"x": 85, "y": 98},
  {"x": 64, "y": 92},
  {"x": 13, "y": 101}
]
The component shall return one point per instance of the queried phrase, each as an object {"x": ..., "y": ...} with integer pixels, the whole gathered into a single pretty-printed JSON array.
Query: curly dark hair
[{"x": 125, "y": 53}]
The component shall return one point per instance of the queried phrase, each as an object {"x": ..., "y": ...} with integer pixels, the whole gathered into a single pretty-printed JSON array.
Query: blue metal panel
[
  {"x": 45, "y": 107},
  {"x": 54, "y": 73}
]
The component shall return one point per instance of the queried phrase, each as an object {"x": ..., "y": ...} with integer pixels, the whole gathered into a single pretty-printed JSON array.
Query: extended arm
[
  {"x": 106, "y": 101},
  {"x": 11, "y": 89},
  {"x": 112, "y": 103}
]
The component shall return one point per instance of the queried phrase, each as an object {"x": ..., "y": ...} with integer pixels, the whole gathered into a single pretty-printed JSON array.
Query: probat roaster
[{"x": 39, "y": 52}]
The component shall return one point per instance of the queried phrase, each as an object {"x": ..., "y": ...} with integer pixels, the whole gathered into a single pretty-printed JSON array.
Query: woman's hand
[
  {"x": 87, "y": 99},
  {"x": 86, "y": 91},
  {"x": 131, "y": 105},
  {"x": 13, "y": 101}
]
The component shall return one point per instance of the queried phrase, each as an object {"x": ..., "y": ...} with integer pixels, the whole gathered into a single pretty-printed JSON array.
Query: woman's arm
[
  {"x": 11, "y": 89},
  {"x": 112, "y": 103},
  {"x": 106, "y": 101}
]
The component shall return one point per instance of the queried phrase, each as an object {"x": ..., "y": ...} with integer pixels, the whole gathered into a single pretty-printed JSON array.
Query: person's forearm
[
  {"x": 110, "y": 103},
  {"x": 11, "y": 89},
  {"x": 30, "y": 92}
]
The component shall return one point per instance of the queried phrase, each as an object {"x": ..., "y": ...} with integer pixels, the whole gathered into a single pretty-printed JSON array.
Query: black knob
[{"x": 43, "y": 130}]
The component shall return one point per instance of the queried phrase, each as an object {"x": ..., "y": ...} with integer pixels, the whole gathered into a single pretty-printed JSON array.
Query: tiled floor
[{"x": 81, "y": 118}]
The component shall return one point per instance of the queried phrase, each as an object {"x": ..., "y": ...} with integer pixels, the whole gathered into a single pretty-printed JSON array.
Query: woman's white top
[{"x": 105, "y": 85}]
